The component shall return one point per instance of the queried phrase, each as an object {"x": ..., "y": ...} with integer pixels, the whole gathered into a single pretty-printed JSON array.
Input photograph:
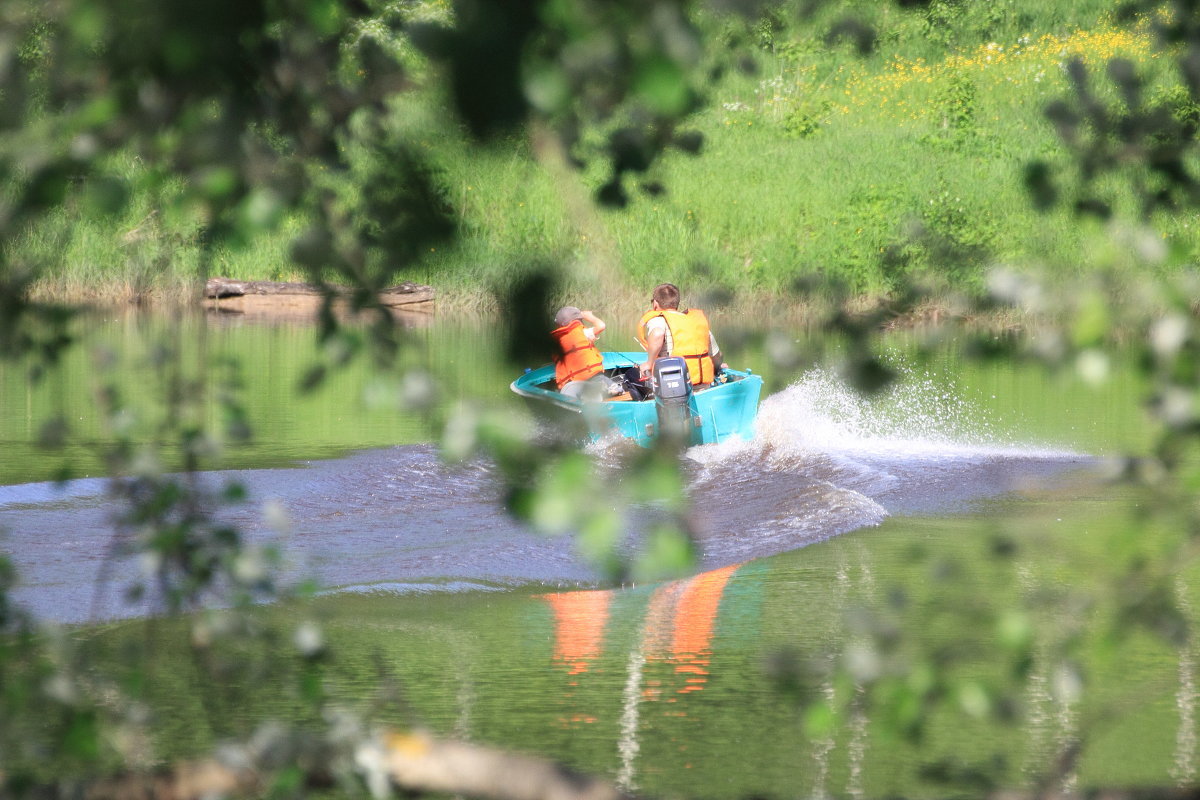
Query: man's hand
[
  {"x": 654, "y": 345},
  {"x": 593, "y": 321}
]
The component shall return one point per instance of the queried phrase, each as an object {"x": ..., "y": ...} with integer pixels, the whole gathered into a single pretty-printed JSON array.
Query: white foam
[{"x": 917, "y": 418}]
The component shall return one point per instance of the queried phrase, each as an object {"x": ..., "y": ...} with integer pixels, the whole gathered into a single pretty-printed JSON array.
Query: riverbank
[{"x": 794, "y": 311}]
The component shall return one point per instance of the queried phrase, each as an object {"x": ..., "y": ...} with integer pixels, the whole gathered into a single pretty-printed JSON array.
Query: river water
[{"x": 843, "y": 516}]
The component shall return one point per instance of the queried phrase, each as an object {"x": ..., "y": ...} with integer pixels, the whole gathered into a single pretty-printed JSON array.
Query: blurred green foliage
[{"x": 245, "y": 117}]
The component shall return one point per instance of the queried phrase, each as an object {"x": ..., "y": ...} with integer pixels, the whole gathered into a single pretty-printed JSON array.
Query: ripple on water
[{"x": 825, "y": 462}]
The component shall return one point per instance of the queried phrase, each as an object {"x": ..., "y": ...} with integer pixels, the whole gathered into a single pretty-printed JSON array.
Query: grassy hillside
[{"x": 825, "y": 165}]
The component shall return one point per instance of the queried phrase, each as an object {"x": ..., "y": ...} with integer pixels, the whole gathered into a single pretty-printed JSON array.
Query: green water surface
[{"x": 991, "y": 626}]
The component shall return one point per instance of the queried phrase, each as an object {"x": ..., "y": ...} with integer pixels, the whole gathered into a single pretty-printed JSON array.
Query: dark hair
[{"x": 666, "y": 295}]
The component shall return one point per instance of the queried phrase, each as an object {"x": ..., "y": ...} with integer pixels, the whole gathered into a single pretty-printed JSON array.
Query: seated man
[
  {"x": 580, "y": 366},
  {"x": 664, "y": 330}
]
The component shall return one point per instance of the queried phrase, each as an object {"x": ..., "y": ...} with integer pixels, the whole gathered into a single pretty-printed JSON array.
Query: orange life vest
[
  {"x": 580, "y": 359},
  {"x": 689, "y": 339}
]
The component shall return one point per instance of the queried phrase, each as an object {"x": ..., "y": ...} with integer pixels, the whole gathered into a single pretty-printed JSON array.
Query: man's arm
[
  {"x": 594, "y": 322},
  {"x": 655, "y": 338},
  {"x": 714, "y": 351}
]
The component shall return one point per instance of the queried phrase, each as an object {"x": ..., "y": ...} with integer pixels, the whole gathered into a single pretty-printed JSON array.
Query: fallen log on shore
[{"x": 269, "y": 299}]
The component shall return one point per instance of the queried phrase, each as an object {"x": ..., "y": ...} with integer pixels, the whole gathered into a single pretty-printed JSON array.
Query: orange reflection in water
[
  {"x": 679, "y": 628},
  {"x": 579, "y": 620},
  {"x": 676, "y": 634}
]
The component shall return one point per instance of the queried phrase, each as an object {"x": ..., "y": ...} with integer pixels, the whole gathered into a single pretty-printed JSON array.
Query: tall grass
[
  {"x": 823, "y": 166},
  {"x": 861, "y": 172}
]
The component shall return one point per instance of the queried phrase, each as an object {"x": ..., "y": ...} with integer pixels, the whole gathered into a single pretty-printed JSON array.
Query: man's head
[
  {"x": 666, "y": 295},
  {"x": 566, "y": 315}
]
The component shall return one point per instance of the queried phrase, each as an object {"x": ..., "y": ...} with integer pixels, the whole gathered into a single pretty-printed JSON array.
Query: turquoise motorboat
[{"x": 722, "y": 411}]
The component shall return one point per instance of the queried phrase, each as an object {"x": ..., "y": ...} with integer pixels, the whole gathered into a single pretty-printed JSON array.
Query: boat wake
[
  {"x": 823, "y": 462},
  {"x": 826, "y": 460}
]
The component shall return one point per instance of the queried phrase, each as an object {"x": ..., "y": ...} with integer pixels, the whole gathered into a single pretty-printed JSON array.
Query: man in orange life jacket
[
  {"x": 666, "y": 331},
  {"x": 579, "y": 365}
]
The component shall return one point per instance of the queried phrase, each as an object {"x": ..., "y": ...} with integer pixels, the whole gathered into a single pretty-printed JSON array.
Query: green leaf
[
  {"x": 82, "y": 737},
  {"x": 552, "y": 512},
  {"x": 234, "y": 492},
  {"x": 668, "y": 553},
  {"x": 659, "y": 481},
  {"x": 217, "y": 183},
  {"x": 660, "y": 84},
  {"x": 563, "y": 494},
  {"x": 312, "y": 378},
  {"x": 819, "y": 721},
  {"x": 1092, "y": 322},
  {"x": 548, "y": 90},
  {"x": 106, "y": 195},
  {"x": 325, "y": 16},
  {"x": 181, "y": 50},
  {"x": 599, "y": 539},
  {"x": 48, "y": 187},
  {"x": 86, "y": 22},
  {"x": 1014, "y": 629},
  {"x": 287, "y": 782},
  {"x": 973, "y": 698},
  {"x": 261, "y": 211},
  {"x": 310, "y": 686},
  {"x": 98, "y": 112}
]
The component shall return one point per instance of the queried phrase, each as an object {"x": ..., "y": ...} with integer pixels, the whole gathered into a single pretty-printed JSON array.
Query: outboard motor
[{"x": 672, "y": 399}]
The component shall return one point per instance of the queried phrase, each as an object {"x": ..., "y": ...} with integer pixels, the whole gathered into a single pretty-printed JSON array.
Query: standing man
[{"x": 666, "y": 331}]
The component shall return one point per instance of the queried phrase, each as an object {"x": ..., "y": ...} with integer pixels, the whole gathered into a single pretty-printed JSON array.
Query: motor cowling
[{"x": 672, "y": 398}]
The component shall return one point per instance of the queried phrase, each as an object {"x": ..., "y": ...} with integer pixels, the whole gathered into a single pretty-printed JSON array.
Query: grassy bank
[
  {"x": 823, "y": 168},
  {"x": 860, "y": 173}
]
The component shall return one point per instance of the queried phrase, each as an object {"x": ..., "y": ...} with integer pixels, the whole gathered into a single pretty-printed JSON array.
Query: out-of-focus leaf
[
  {"x": 869, "y": 375},
  {"x": 564, "y": 492},
  {"x": 261, "y": 211},
  {"x": 1014, "y": 629},
  {"x": 659, "y": 481},
  {"x": 1091, "y": 324},
  {"x": 855, "y": 31},
  {"x": 82, "y": 737},
  {"x": 630, "y": 150},
  {"x": 48, "y": 186},
  {"x": 548, "y": 89},
  {"x": 218, "y": 183},
  {"x": 53, "y": 433},
  {"x": 485, "y": 55},
  {"x": 600, "y": 539},
  {"x": 312, "y": 378},
  {"x": 661, "y": 85},
  {"x": 324, "y": 15},
  {"x": 527, "y": 316},
  {"x": 106, "y": 195},
  {"x": 819, "y": 720},
  {"x": 667, "y": 552},
  {"x": 612, "y": 194},
  {"x": 234, "y": 492},
  {"x": 690, "y": 141},
  {"x": 100, "y": 111},
  {"x": 1039, "y": 183},
  {"x": 313, "y": 250}
]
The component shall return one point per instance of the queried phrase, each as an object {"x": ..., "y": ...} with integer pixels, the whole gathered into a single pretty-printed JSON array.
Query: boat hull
[{"x": 716, "y": 414}]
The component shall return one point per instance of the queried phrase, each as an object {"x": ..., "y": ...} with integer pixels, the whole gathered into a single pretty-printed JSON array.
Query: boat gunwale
[{"x": 525, "y": 385}]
